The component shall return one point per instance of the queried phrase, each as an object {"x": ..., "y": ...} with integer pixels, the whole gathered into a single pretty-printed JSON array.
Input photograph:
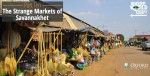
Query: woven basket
[
  {"x": 3, "y": 53},
  {"x": 2, "y": 68},
  {"x": 14, "y": 38},
  {"x": 13, "y": 66},
  {"x": 95, "y": 54}
]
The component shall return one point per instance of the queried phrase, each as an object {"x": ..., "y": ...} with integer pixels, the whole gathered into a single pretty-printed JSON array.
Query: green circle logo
[{"x": 135, "y": 7}]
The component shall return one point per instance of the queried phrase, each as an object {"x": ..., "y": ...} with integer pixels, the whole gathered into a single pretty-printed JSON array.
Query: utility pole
[
  {"x": 143, "y": 33},
  {"x": 135, "y": 31}
]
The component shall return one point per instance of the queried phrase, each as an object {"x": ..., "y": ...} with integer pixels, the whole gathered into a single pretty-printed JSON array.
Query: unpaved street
[{"x": 112, "y": 64}]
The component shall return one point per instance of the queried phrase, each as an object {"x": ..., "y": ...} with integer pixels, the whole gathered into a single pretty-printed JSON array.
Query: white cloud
[
  {"x": 83, "y": 13},
  {"x": 94, "y": 2}
]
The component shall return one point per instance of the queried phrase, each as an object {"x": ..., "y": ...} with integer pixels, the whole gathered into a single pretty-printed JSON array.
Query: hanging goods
[
  {"x": 3, "y": 53},
  {"x": 15, "y": 39}
]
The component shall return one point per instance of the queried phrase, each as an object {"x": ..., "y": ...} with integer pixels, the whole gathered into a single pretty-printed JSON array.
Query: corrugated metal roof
[
  {"x": 142, "y": 36},
  {"x": 69, "y": 23},
  {"x": 64, "y": 24},
  {"x": 79, "y": 24},
  {"x": 45, "y": 29}
]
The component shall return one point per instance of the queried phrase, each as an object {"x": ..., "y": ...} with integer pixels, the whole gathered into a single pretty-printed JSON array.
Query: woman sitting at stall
[
  {"x": 77, "y": 59},
  {"x": 81, "y": 61}
]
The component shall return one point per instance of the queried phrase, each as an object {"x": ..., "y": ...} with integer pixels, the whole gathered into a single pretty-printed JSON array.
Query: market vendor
[
  {"x": 95, "y": 54},
  {"x": 81, "y": 61},
  {"x": 73, "y": 59},
  {"x": 77, "y": 59}
]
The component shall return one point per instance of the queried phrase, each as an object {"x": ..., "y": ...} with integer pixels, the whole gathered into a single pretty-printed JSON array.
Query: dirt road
[{"x": 112, "y": 64}]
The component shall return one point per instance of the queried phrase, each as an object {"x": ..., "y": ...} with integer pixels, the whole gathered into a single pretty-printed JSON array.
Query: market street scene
[
  {"x": 74, "y": 38},
  {"x": 113, "y": 64}
]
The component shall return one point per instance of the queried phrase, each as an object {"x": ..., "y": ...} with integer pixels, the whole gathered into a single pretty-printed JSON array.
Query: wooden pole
[
  {"x": 61, "y": 42},
  {"x": 57, "y": 40},
  {"x": 54, "y": 41},
  {"x": 38, "y": 57},
  {"x": 42, "y": 43},
  {"x": 25, "y": 48},
  {"x": 47, "y": 39},
  {"x": 50, "y": 41},
  {"x": 56, "y": 37},
  {"x": 43, "y": 38},
  {"x": 81, "y": 40},
  {"x": 41, "y": 56},
  {"x": 10, "y": 39},
  {"x": 8, "y": 34},
  {"x": 43, "y": 52}
]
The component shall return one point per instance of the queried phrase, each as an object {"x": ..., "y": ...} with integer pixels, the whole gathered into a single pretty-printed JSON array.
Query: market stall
[
  {"x": 33, "y": 50},
  {"x": 48, "y": 48}
]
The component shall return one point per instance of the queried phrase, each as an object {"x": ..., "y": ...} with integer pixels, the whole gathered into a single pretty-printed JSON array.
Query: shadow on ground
[
  {"x": 147, "y": 52},
  {"x": 144, "y": 51},
  {"x": 140, "y": 49}
]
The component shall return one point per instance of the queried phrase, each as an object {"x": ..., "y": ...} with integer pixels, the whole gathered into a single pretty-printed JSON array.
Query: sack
[{"x": 92, "y": 52}]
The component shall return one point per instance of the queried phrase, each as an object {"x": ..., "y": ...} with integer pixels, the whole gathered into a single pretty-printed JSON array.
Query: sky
[{"x": 114, "y": 15}]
